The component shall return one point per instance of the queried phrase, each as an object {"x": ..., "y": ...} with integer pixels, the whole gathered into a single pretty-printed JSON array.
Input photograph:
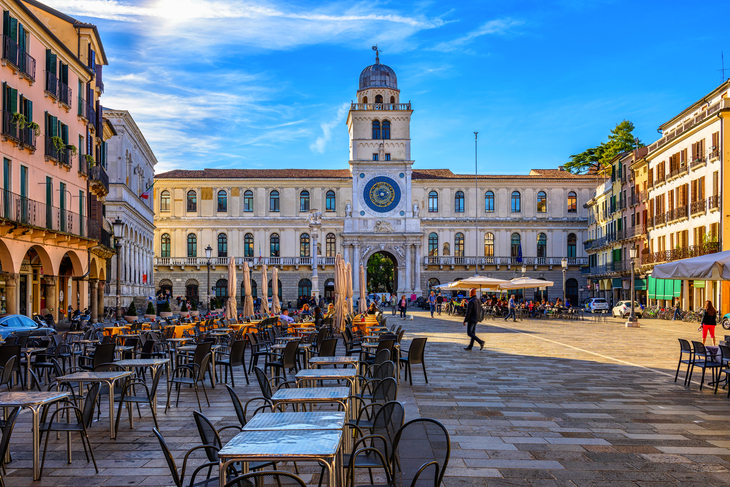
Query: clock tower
[{"x": 382, "y": 216}]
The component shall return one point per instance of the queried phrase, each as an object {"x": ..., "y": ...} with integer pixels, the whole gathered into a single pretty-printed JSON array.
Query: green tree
[
  {"x": 620, "y": 139},
  {"x": 380, "y": 274}
]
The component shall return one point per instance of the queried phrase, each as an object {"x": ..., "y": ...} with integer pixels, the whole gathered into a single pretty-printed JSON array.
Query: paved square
[{"x": 544, "y": 404}]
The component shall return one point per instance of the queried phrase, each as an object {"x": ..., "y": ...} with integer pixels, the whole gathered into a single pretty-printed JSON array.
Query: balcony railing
[
  {"x": 697, "y": 161},
  {"x": 380, "y": 106},
  {"x": 689, "y": 124},
  {"x": 680, "y": 253},
  {"x": 62, "y": 156},
  {"x": 22, "y": 210},
  {"x": 714, "y": 154},
  {"x": 64, "y": 94},
  {"x": 713, "y": 202},
  {"x": 252, "y": 261},
  {"x": 99, "y": 82},
  {"x": 622, "y": 204},
  {"x": 98, "y": 176},
  {"x": 91, "y": 113},
  {"x": 669, "y": 216},
  {"x": 51, "y": 84},
  {"x": 699, "y": 206},
  {"x": 650, "y": 222},
  {"x": 13, "y": 54},
  {"x": 659, "y": 179},
  {"x": 492, "y": 260},
  {"x": 83, "y": 166},
  {"x": 83, "y": 110},
  {"x": 659, "y": 219}
]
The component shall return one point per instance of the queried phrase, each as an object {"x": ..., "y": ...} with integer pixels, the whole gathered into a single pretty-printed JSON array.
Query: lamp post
[
  {"x": 633, "y": 322},
  {"x": 564, "y": 265},
  {"x": 118, "y": 227},
  {"x": 208, "y": 253}
]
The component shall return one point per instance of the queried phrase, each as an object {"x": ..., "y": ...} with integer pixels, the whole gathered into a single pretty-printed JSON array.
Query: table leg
[
  {"x": 36, "y": 443},
  {"x": 27, "y": 370},
  {"x": 112, "y": 433}
]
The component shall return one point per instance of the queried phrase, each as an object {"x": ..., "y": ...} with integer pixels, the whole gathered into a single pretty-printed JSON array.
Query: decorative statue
[
  {"x": 348, "y": 209},
  {"x": 381, "y": 152},
  {"x": 416, "y": 209},
  {"x": 382, "y": 227}
]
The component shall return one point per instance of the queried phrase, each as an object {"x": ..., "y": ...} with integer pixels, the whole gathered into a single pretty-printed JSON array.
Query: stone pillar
[
  {"x": 94, "y": 300},
  {"x": 11, "y": 293},
  {"x": 100, "y": 299},
  {"x": 315, "y": 276},
  {"x": 355, "y": 275},
  {"x": 52, "y": 295},
  {"x": 83, "y": 290},
  {"x": 409, "y": 265},
  {"x": 418, "y": 269},
  {"x": 685, "y": 295}
]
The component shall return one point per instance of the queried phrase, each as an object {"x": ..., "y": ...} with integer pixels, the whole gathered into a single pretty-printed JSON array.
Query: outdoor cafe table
[
  {"x": 311, "y": 395},
  {"x": 322, "y": 445},
  {"x": 341, "y": 360},
  {"x": 308, "y": 376},
  {"x": 108, "y": 378},
  {"x": 152, "y": 363},
  {"x": 33, "y": 400}
]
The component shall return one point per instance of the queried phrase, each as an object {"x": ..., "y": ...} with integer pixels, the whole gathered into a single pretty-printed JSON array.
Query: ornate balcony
[
  {"x": 680, "y": 253},
  {"x": 62, "y": 156},
  {"x": 99, "y": 181},
  {"x": 380, "y": 106},
  {"x": 699, "y": 206},
  {"x": 19, "y": 59}
]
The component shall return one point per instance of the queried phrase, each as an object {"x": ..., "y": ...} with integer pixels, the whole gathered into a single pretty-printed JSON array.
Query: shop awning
[
  {"x": 616, "y": 283},
  {"x": 664, "y": 288},
  {"x": 710, "y": 267},
  {"x": 639, "y": 284}
]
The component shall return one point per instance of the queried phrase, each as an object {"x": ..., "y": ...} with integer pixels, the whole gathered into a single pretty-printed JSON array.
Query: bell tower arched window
[
  {"x": 379, "y": 99},
  {"x": 386, "y": 129},
  {"x": 376, "y": 129}
]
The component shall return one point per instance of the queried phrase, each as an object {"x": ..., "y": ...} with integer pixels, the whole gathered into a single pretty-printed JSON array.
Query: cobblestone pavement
[{"x": 544, "y": 404}]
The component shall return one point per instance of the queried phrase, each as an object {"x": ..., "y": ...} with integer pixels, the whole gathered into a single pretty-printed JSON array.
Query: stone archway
[{"x": 381, "y": 272}]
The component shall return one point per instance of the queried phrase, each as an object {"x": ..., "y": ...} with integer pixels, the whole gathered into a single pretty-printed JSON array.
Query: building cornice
[{"x": 131, "y": 126}]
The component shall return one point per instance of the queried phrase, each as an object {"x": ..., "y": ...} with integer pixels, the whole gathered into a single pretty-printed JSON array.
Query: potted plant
[
  {"x": 150, "y": 314},
  {"x": 166, "y": 310},
  {"x": 194, "y": 308},
  {"x": 131, "y": 315},
  {"x": 184, "y": 310}
]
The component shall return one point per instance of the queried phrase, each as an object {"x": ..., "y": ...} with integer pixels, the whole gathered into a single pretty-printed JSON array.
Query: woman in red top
[{"x": 709, "y": 320}]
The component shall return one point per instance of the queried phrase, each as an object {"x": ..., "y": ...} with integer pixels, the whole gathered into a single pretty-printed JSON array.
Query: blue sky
[{"x": 267, "y": 84}]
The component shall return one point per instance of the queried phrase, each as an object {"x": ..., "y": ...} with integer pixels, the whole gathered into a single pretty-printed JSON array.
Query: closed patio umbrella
[
  {"x": 247, "y": 300},
  {"x": 264, "y": 290},
  {"x": 348, "y": 287},
  {"x": 275, "y": 305},
  {"x": 231, "y": 304},
  {"x": 363, "y": 306},
  {"x": 340, "y": 292}
]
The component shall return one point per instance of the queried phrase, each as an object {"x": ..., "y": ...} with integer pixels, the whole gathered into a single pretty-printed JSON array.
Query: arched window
[
  {"x": 542, "y": 245},
  {"x": 572, "y": 202},
  {"x": 516, "y": 202},
  {"x": 433, "y": 202},
  {"x": 330, "y": 201},
  {"x": 364, "y": 99},
  {"x": 304, "y": 245},
  {"x": 254, "y": 289},
  {"x": 248, "y": 200},
  {"x": 459, "y": 202},
  {"x": 516, "y": 246},
  {"x": 304, "y": 288},
  {"x": 165, "y": 201},
  {"x": 376, "y": 129},
  {"x": 222, "y": 245},
  {"x": 392, "y": 99},
  {"x": 191, "y": 290},
  {"x": 378, "y": 98},
  {"x": 221, "y": 288},
  {"x": 459, "y": 245},
  {"x": 304, "y": 201},
  {"x": 222, "y": 201},
  {"x": 165, "y": 245},
  {"x": 192, "y": 245},
  {"x": 489, "y": 202},
  {"x": 274, "y": 201},
  {"x": 433, "y": 282},
  {"x": 192, "y": 201},
  {"x": 571, "y": 245},
  {"x": 446, "y": 249},
  {"x": 488, "y": 245},
  {"x": 541, "y": 202},
  {"x": 248, "y": 245},
  {"x": 271, "y": 290},
  {"x": 386, "y": 129},
  {"x": 433, "y": 245},
  {"x": 274, "y": 245},
  {"x": 331, "y": 245}
]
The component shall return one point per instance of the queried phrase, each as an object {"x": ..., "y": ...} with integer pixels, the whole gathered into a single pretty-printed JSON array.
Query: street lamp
[
  {"x": 564, "y": 264},
  {"x": 633, "y": 322},
  {"x": 208, "y": 254},
  {"x": 118, "y": 227}
]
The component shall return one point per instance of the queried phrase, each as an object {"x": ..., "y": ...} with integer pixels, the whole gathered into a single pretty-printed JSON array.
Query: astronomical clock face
[{"x": 381, "y": 194}]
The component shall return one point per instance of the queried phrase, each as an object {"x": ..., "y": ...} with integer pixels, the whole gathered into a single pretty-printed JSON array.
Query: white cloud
[
  {"x": 493, "y": 27},
  {"x": 320, "y": 144}
]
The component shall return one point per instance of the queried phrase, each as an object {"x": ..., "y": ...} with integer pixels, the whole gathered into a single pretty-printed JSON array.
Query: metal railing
[
  {"x": 223, "y": 261},
  {"x": 650, "y": 222},
  {"x": 502, "y": 260},
  {"x": 64, "y": 94},
  {"x": 380, "y": 106},
  {"x": 51, "y": 84},
  {"x": 83, "y": 165},
  {"x": 697, "y": 161},
  {"x": 680, "y": 253},
  {"x": 97, "y": 174},
  {"x": 62, "y": 156},
  {"x": 25, "y": 211},
  {"x": 659, "y": 219},
  {"x": 688, "y": 124},
  {"x": 699, "y": 206},
  {"x": 83, "y": 109},
  {"x": 18, "y": 58},
  {"x": 99, "y": 82},
  {"x": 713, "y": 202},
  {"x": 714, "y": 154}
]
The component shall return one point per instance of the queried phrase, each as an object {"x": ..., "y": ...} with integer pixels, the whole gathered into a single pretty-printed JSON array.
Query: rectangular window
[
  {"x": 715, "y": 183},
  {"x": 375, "y": 157},
  {"x": 387, "y": 157}
]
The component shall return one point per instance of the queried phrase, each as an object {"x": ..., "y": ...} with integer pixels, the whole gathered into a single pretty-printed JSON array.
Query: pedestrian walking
[
  {"x": 512, "y": 308},
  {"x": 709, "y": 321},
  {"x": 439, "y": 303},
  {"x": 676, "y": 311},
  {"x": 432, "y": 303},
  {"x": 403, "y": 306},
  {"x": 471, "y": 319}
]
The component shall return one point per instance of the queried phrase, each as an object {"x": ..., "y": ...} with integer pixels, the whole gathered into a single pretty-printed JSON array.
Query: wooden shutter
[
  {"x": 64, "y": 74},
  {"x": 21, "y": 40},
  {"x": 28, "y": 110},
  {"x": 13, "y": 100},
  {"x": 13, "y": 30},
  {"x": 64, "y": 133},
  {"x": 54, "y": 126},
  {"x": 6, "y": 22}
]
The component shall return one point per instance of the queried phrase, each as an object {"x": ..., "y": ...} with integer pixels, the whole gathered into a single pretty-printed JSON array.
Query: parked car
[
  {"x": 623, "y": 309},
  {"x": 596, "y": 304},
  {"x": 726, "y": 321},
  {"x": 21, "y": 325}
]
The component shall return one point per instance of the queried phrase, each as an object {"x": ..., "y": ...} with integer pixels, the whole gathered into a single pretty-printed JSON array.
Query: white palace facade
[{"x": 436, "y": 226}]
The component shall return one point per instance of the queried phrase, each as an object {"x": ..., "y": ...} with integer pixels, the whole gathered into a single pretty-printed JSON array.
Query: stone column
[
  {"x": 100, "y": 298},
  {"x": 11, "y": 293},
  {"x": 83, "y": 290},
  {"x": 355, "y": 274},
  {"x": 418, "y": 269},
  {"x": 315, "y": 277},
  {"x": 94, "y": 300},
  {"x": 409, "y": 265},
  {"x": 52, "y": 295}
]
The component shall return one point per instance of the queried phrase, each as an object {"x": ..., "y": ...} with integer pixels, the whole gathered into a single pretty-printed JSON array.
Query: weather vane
[{"x": 377, "y": 51}]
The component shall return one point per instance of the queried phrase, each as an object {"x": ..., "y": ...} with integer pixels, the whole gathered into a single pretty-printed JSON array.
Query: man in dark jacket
[{"x": 472, "y": 318}]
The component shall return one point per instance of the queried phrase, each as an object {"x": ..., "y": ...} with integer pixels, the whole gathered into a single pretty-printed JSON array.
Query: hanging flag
[
  {"x": 519, "y": 254},
  {"x": 147, "y": 192}
]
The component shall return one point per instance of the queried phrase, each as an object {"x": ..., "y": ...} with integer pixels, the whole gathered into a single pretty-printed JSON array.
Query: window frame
[
  {"x": 165, "y": 245},
  {"x": 304, "y": 200},
  {"x": 274, "y": 202},
  {"x": 573, "y": 245},
  {"x": 489, "y": 202},
  {"x": 191, "y": 202},
  {"x": 459, "y": 245},
  {"x": 274, "y": 245},
  {"x": 459, "y": 202},
  {"x": 516, "y": 196},
  {"x": 385, "y": 130},
  {"x": 224, "y": 201},
  {"x": 515, "y": 245},
  {"x": 488, "y": 245},
  {"x": 330, "y": 245},
  {"x": 192, "y": 245},
  {"x": 330, "y": 197},
  {"x": 542, "y": 241},
  {"x": 433, "y": 197},
  {"x": 222, "y": 243},
  {"x": 375, "y": 125},
  {"x": 305, "y": 245},
  {"x": 573, "y": 208},
  {"x": 433, "y": 244},
  {"x": 246, "y": 242},
  {"x": 165, "y": 201},
  {"x": 541, "y": 206},
  {"x": 248, "y": 201}
]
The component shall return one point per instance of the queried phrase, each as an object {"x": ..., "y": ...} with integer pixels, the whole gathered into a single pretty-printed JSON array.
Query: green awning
[
  {"x": 616, "y": 283},
  {"x": 677, "y": 288},
  {"x": 639, "y": 284},
  {"x": 699, "y": 284},
  {"x": 651, "y": 288}
]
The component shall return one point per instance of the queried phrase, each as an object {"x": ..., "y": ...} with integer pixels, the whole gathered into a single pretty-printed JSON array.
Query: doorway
[{"x": 381, "y": 273}]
